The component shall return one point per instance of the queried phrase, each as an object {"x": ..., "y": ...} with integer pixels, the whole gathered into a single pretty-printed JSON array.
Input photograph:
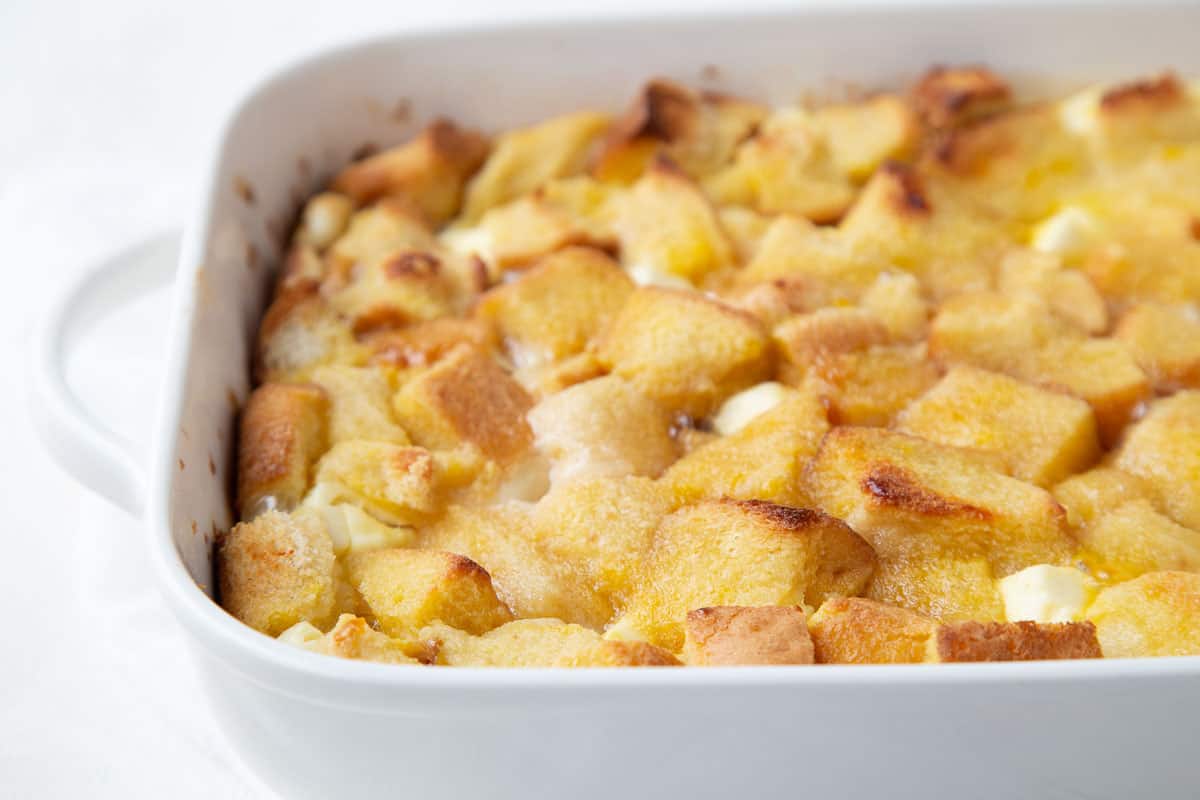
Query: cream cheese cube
[
  {"x": 740, "y": 410},
  {"x": 1045, "y": 593}
]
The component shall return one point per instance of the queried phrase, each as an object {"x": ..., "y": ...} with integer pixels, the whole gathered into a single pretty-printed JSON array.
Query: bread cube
[
  {"x": 1042, "y": 436},
  {"x": 282, "y": 433},
  {"x": 897, "y": 300},
  {"x": 913, "y": 498},
  {"x": 787, "y": 167},
  {"x": 525, "y": 578},
  {"x": 854, "y": 630},
  {"x": 666, "y": 224},
  {"x": 806, "y": 339},
  {"x": 405, "y": 590},
  {"x": 541, "y": 643},
  {"x": 359, "y": 404},
  {"x": 298, "y": 332},
  {"x": 351, "y": 637},
  {"x": 829, "y": 267},
  {"x": 699, "y": 132},
  {"x": 377, "y": 231},
  {"x": 735, "y": 635},
  {"x": 395, "y": 483},
  {"x": 1015, "y": 641},
  {"x": 324, "y": 219},
  {"x": 946, "y": 588},
  {"x": 1135, "y": 538},
  {"x": 764, "y": 460},
  {"x": 684, "y": 350},
  {"x": 526, "y": 158},
  {"x": 598, "y": 530},
  {"x": 1068, "y": 293},
  {"x": 1165, "y": 341},
  {"x": 466, "y": 398},
  {"x": 428, "y": 172},
  {"x": 1089, "y": 495},
  {"x": 872, "y": 386},
  {"x": 1164, "y": 449},
  {"x": 947, "y": 97},
  {"x": 396, "y": 289},
  {"x": 556, "y": 308},
  {"x": 742, "y": 552},
  {"x": 861, "y": 136},
  {"x": 604, "y": 427},
  {"x": 422, "y": 343},
  {"x": 277, "y": 570},
  {"x": 1019, "y": 337},
  {"x": 1157, "y": 614}
]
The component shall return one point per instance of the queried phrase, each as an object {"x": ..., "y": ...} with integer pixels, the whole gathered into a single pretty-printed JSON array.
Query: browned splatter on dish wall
[{"x": 244, "y": 189}]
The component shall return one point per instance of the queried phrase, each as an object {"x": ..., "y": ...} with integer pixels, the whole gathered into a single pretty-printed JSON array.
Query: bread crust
[
  {"x": 741, "y": 635},
  {"x": 1016, "y": 641}
]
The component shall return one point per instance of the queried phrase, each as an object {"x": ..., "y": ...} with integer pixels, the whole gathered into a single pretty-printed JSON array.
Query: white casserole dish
[{"x": 314, "y": 726}]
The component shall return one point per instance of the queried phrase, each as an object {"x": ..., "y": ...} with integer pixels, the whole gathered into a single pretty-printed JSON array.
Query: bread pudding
[{"x": 913, "y": 377}]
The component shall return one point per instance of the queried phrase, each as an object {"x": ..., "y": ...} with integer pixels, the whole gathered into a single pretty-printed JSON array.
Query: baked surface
[{"x": 913, "y": 377}]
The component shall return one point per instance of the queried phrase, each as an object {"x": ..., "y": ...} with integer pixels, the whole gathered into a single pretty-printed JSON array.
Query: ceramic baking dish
[{"x": 314, "y": 726}]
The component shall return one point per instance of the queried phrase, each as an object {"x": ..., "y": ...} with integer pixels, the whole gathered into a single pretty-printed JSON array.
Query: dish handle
[{"x": 82, "y": 445}]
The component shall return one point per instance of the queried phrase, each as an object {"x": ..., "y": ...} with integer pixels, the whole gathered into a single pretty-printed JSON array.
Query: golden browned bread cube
[
  {"x": 1157, "y": 614},
  {"x": 861, "y": 136},
  {"x": 528, "y": 581},
  {"x": 667, "y": 226},
  {"x": 870, "y": 387},
  {"x": 1068, "y": 293},
  {"x": 828, "y": 267},
  {"x": 524, "y": 159},
  {"x": 422, "y": 343},
  {"x": 854, "y": 630},
  {"x": 942, "y": 587},
  {"x": 394, "y": 290},
  {"x": 555, "y": 309},
  {"x": 787, "y": 167},
  {"x": 684, "y": 350},
  {"x": 897, "y": 300},
  {"x": 282, "y": 433},
  {"x": 807, "y": 338},
  {"x": 1164, "y": 450},
  {"x": 405, "y": 590},
  {"x": 359, "y": 404},
  {"x": 946, "y": 97},
  {"x": 1015, "y": 641},
  {"x": 395, "y": 483},
  {"x": 428, "y": 172},
  {"x": 1089, "y": 495},
  {"x": 466, "y": 397},
  {"x": 1018, "y": 336},
  {"x": 908, "y": 496},
  {"x": 378, "y": 231},
  {"x": 597, "y": 531},
  {"x": 278, "y": 570},
  {"x": 697, "y": 131},
  {"x": 732, "y": 635},
  {"x": 602, "y": 427},
  {"x": 1135, "y": 538},
  {"x": 1165, "y": 340},
  {"x": 1042, "y": 437},
  {"x": 541, "y": 643},
  {"x": 743, "y": 552},
  {"x": 764, "y": 460}
]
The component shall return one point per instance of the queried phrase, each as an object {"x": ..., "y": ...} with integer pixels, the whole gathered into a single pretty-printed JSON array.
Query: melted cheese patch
[{"x": 1045, "y": 593}]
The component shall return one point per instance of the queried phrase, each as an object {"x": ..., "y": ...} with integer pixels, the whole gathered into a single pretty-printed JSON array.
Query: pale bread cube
[
  {"x": 359, "y": 404},
  {"x": 684, "y": 350},
  {"x": 911, "y": 497},
  {"x": 278, "y": 570},
  {"x": 604, "y": 427},
  {"x": 1069, "y": 294},
  {"x": 524, "y": 159},
  {"x": 872, "y": 386},
  {"x": 1089, "y": 495},
  {"x": 282, "y": 433},
  {"x": 1157, "y": 614},
  {"x": 738, "y": 635},
  {"x": 1164, "y": 449},
  {"x": 377, "y": 231},
  {"x": 351, "y": 637},
  {"x": 666, "y": 224},
  {"x": 1165, "y": 341},
  {"x": 946, "y": 588},
  {"x": 395, "y": 483},
  {"x": 298, "y": 332},
  {"x": 555, "y": 309},
  {"x": 1041, "y": 436},
  {"x": 861, "y": 136},
  {"x": 405, "y": 590},
  {"x": 324, "y": 219},
  {"x": 829, "y": 267},
  {"x": 855, "y": 630},
  {"x": 764, "y": 460},
  {"x": 1134, "y": 538},
  {"x": 428, "y": 172},
  {"x": 420, "y": 344},
  {"x": 541, "y": 643},
  {"x": 741, "y": 553},
  {"x": 466, "y": 398},
  {"x": 897, "y": 300}
]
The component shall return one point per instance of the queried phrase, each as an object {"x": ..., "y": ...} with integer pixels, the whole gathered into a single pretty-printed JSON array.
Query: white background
[{"x": 104, "y": 108}]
